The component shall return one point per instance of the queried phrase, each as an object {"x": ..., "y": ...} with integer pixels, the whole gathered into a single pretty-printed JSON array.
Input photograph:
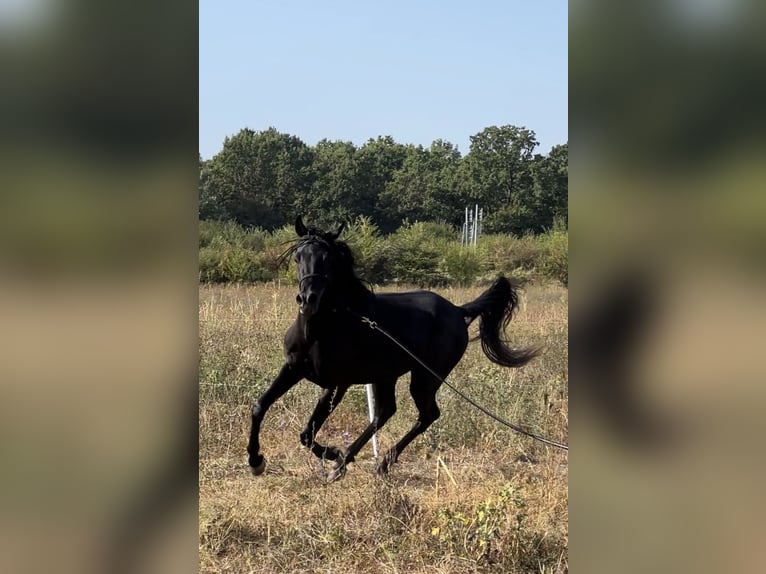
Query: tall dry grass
[{"x": 467, "y": 496}]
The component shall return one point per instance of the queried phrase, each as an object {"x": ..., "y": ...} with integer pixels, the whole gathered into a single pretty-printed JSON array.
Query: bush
[
  {"x": 554, "y": 262},
  {"x": 416, "y": 251},
  {"x": 371, "y": 252},
  {"x": 229, "y": 233},
  {"x": 505, "y": 254},
  {"x": 208, "y": 266},
  {"x": 275, "y": 246},
  {"x": 230, "y": 253},
  {"x": 461, "y": 265},
  {"x": 232, "y": 264},
  {"x": 423, "y": 254}
]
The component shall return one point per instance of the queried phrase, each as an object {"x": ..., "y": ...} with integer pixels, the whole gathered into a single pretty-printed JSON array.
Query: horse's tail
[{"x": 495, "y": 307}]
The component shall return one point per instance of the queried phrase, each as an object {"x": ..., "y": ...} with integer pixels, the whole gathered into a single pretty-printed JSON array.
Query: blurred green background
[
  {"x": 666, "y": 271},
  {"x": 98, "y": 138}
]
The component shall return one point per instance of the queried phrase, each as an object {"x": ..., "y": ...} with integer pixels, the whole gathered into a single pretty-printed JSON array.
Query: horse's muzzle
[{"x": 308, "y": 304}]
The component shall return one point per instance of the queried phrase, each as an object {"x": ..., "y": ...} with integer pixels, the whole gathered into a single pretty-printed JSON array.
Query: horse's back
[
  {"x": 427, "y": 302},
  {"x": 430, "y": 325}
]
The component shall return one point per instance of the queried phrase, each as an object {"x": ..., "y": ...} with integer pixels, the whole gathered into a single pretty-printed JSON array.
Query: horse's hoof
[
  {"x": 338, "y": 472},
  {"x": 333, "y": 453},
  {"x": 259, "y": 468}
]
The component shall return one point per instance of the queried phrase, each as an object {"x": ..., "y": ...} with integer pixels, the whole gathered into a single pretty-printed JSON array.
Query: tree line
[{"x": 262, "y": 179}]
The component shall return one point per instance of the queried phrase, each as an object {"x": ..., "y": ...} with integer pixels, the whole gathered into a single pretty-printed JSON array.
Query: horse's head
[{"x": 320, "y": 264}]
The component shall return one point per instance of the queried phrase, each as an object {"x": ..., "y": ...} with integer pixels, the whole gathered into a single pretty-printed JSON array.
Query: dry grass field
[{"x": 467, "y": 496}]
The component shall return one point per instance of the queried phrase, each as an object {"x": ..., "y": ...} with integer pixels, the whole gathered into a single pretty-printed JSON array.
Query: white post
[
  {"x": 471, "y": 223},
  {"x": 467, "y": 227},
  {"x": 371, "y": 410},
  {"x": 476, "y": 225}
]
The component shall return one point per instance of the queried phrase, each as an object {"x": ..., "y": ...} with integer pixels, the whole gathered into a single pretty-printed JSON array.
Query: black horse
[{"x": 331, "y": 346}]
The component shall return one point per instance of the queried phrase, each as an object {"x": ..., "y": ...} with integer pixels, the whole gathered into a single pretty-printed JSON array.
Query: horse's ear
[
  {"x": 340, "y": 230},
  {"x": 300, "y": 229}
]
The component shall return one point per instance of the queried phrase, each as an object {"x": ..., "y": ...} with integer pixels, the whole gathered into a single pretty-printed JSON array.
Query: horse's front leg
[
  {"x": 288, "y": 376},
  {"x": 328, "y": 400}
]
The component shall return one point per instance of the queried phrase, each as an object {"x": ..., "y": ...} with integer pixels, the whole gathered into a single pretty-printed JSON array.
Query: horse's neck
[{"x": 353, "y": 295}]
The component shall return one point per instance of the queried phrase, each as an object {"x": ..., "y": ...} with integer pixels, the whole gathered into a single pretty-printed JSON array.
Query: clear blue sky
[{"x": 417, "y": 70}]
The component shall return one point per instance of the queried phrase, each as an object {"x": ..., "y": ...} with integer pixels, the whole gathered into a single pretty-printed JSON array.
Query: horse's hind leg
[
  {"x": 385, "y": 407},
  {"x": 423, "y": 389},
  {"x": 328, "y": 400}
]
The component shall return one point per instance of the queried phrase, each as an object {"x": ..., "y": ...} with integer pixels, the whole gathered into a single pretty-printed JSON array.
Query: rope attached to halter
[{"x": 375, "y": 327}]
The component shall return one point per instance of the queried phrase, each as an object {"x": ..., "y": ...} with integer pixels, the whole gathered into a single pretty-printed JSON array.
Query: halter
[{"x": 310, "y": 275}]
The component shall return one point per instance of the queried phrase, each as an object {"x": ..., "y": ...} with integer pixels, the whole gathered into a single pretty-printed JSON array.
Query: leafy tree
[
  {"x": 263, "y": 179},
  {"x": 403, "y": 196},
  {"x": 498, "y": 176},
  {"x": 377, "y": 161},
  {"x": 206, "y": 207},
  {"x": 425, "y": 188},
  {"x": 334, "y": 195},
  {"x": 551, "y": 187},
  {"x": 255, "y": 178}
]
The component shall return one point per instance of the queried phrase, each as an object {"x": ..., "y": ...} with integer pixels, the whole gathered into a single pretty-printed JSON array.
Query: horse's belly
[{"x": 353, "y": 368}]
